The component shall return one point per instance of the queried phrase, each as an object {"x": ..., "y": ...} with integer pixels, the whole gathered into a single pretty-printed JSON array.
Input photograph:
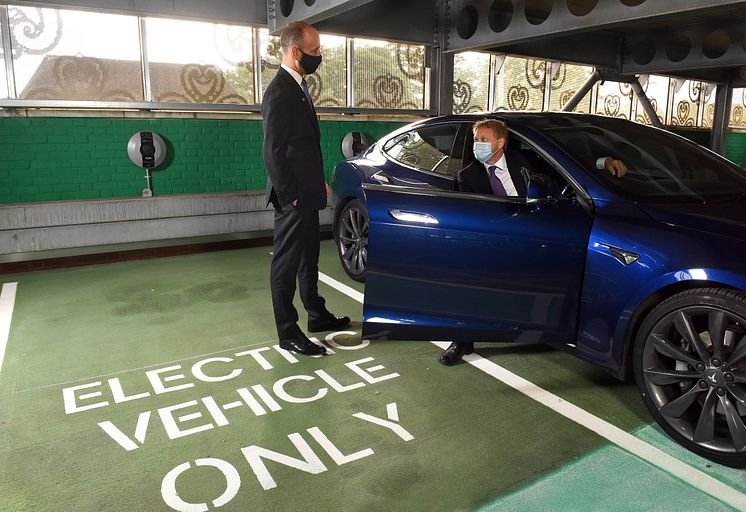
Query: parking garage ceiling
[{"x": 695, "y": 39}]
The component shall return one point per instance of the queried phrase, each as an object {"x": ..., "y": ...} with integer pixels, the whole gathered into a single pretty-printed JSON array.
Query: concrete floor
[{"x": 156, "y": 385}]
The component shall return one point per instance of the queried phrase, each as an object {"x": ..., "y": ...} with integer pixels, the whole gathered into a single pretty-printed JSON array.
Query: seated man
[
  {"x": 492, "y": 172},
  {"x": 501, "y": 174}
]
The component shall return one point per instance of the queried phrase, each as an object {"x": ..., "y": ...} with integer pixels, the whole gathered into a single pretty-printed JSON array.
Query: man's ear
[{"x": 501, "y": 143}]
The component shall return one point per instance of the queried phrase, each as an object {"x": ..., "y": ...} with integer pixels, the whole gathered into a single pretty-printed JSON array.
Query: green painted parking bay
[{"x": 157, "y": 385}]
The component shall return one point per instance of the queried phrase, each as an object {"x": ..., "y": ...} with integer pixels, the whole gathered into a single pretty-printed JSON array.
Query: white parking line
[
  {"x": 7, "y": 301},
  {"x": 603, "y": 428}
]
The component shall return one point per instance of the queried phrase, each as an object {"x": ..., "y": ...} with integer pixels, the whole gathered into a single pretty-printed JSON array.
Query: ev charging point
[
  {"x": 146, "y": 150},
  {"x": 354, "y": 143}
]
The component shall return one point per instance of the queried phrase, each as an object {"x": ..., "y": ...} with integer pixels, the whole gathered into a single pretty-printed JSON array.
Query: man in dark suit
[
  {"x": 495, "y": 171},
  {"x": 296, "y": 189},
  {"x": 492, "y": 172}
]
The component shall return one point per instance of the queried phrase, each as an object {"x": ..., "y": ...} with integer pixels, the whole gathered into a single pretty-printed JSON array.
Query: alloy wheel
[
  {"x": 352, "y": 239},
  {"x": 693, "y": 364}
]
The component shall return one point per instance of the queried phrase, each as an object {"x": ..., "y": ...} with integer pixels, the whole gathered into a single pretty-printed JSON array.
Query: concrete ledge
[{"x": 69, "y": 224}]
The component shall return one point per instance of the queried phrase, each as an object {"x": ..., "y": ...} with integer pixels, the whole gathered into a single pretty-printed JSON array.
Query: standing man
[{"x": 296, "y": 189}]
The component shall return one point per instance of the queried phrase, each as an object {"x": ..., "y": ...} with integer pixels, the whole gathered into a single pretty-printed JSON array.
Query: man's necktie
[
  {"x": 497, "y": 186},
  {"x": 304, "y": 86}
]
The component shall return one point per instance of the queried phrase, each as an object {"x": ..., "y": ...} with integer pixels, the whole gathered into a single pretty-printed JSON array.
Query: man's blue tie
[
  {"x": 304, "y": 85},
  {"x": 497, "y": 186}
]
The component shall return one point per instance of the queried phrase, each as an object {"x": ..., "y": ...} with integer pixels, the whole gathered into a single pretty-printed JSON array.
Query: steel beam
[
  {"x": 282, "y": 12},
  {"x": 646, "y": 105},
  {"x": 689, "y": 49},
  {"x": 719, "y": 132},
  {"x": 479, "y": 24},
  {"x": 573, "y": 102}
]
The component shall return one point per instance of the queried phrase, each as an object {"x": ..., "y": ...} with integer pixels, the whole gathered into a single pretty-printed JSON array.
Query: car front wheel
[
  {"x": 690, "y": 365},
  {"x": 352, "y": 239}
]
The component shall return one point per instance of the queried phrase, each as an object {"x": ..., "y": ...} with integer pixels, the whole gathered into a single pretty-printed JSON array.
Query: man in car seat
[{"x": 503, "y": 174}]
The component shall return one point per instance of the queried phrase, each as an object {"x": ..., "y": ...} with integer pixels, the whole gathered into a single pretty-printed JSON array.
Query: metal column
[{"x": 723, "y": 101}]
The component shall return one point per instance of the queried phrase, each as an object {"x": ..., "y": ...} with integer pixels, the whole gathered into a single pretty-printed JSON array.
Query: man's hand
[{"x": 615, "y": 167}]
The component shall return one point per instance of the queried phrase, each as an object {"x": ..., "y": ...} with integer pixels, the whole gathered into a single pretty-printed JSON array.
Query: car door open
[{"x": 467, "y": 267}]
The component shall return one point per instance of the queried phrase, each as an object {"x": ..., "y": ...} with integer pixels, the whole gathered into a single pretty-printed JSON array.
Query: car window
[
  {"x": 661, "y": 166},
  {"x": 544, "y": 179},
  {"x": 428, "y": 148}
]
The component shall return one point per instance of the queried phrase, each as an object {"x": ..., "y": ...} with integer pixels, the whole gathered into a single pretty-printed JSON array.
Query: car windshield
[{"x": 661, "y": 166}]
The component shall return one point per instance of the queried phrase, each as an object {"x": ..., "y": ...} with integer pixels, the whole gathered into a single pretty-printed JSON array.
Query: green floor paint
[
  {"x": 735, "y": 478},
  {"x": 608, "y": 479},
  {"x": 188, "y": 322}
]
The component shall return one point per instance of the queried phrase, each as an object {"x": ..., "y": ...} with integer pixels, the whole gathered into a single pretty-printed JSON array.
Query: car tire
[
  {"x": 690, "y": 366},
  {"x": 352, "y": 239}
]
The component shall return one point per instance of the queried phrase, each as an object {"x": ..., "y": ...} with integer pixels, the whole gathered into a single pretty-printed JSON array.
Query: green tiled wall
[{"x": 59, "y": 159}]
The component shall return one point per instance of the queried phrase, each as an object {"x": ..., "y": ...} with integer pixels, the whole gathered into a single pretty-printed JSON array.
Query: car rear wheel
[
  {"x": 352, "y": 239},
  {"x": 690, "y": 365}
]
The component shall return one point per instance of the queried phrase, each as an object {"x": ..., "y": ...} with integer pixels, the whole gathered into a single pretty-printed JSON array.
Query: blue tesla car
[{"x": 643, "y": 275}]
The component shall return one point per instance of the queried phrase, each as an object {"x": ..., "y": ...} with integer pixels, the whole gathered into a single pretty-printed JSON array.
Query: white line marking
[
  {"x": 350, "y": 292},
  {"x": 7, "y": 301},
  {"x": 603, "y": 428}
]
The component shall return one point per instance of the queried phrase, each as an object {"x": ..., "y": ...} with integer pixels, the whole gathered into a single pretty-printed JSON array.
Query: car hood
[{"x": 727, "y": 219}]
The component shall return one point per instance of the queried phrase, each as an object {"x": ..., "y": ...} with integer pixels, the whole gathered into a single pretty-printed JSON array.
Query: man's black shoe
[
  {"x": 302, "y": 345},
  {"x": 455, "y": 352},
  {"x": 328, "y": 324}
]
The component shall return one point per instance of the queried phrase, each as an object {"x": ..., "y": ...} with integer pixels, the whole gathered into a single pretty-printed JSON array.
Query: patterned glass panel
[
  {"x": 686, "y": 104},
  {"x": 471, "y": 82},
  {"x": 568, "y": 79},
  {"x": 388, "y": 75},
  {"x": 75, "y": 55},
  {"x": 708, "y": 102},
  {"x": 656, "y": 89},
  {"x": 614, "y": 99},
  {"x": 328, "y": 86},
  {"x": 738, "y": 109},
  {"x": 195, "y": 62},
  {"x": 520, "y": 84},
  {"x": 3, "y": 74},
  {"x": 271, "y": 52}
]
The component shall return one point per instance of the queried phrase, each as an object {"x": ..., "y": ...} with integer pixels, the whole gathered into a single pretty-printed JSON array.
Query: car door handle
[{"x": 406, "y": 216}]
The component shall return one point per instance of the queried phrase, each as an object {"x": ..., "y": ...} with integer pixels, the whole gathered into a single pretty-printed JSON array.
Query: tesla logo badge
[{"x": 712, "y": 378}]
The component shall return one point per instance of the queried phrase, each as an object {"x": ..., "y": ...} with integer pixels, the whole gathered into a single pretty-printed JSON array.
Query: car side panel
[{"x": 613, "y": 291}]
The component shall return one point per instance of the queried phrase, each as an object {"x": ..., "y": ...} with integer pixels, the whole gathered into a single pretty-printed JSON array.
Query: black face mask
[{"x": 309, "y": 63}]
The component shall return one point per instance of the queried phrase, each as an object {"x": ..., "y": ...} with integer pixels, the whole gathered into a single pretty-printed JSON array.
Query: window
[
  {"x": 614, "y": 99},
  {"x": 738, "y": 109},
  {"x": 73, "y": 55},
  {"x": 427, "y": 148},
  {"x": 656, "y": 89},
  {"x": 520, "y": 84},
  {"x": 388, "y": 75},
  {"x": 3, "y": 75},
  {"x": 471, "y": 82},
  {"x": 328, "y": 86},
  {"x": 194, "y": 62},
  {"x": 568, "y": 79}
]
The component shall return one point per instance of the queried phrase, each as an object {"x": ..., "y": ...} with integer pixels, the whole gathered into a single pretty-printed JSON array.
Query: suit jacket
[
  {"x": 473, "y": 177},
  {"x": 292, "y": 145}
]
